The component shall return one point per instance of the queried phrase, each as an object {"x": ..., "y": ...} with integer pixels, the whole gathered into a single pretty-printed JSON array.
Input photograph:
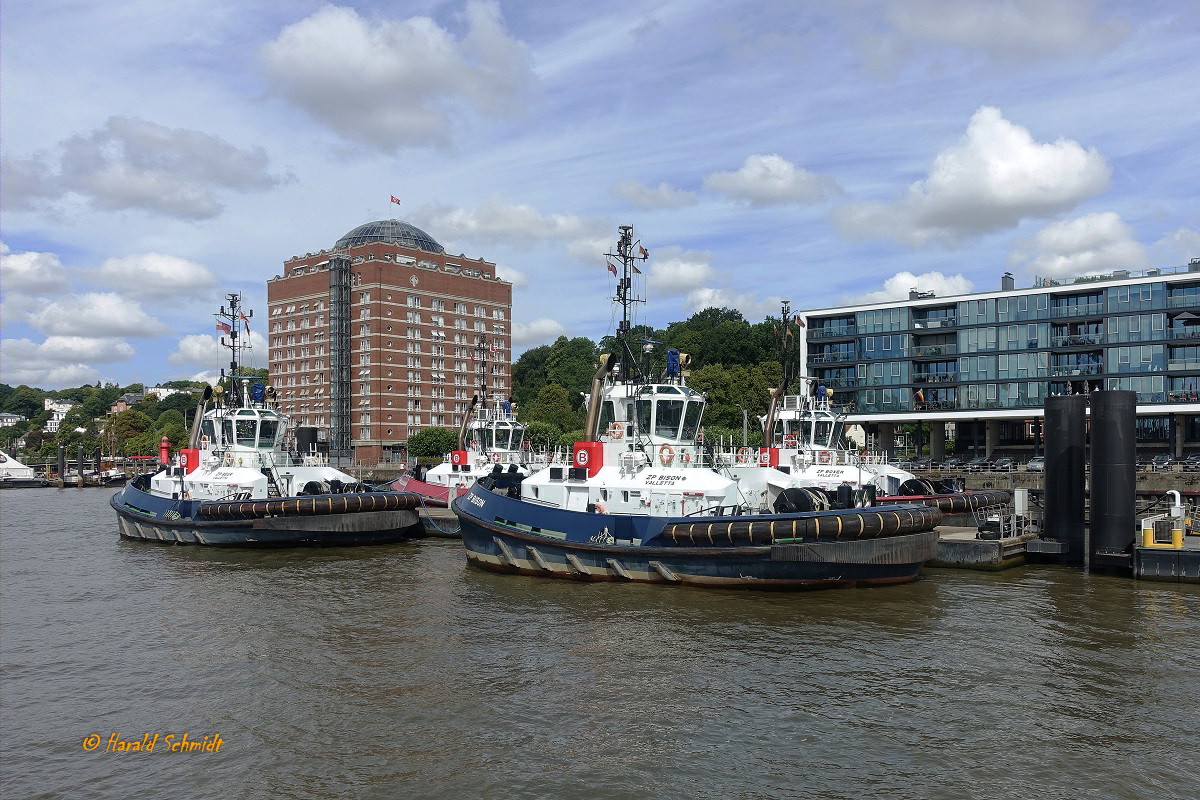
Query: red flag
[
  {"x": 395, "y": 200},
  {"x": 612, "y": 268},
  {"x": 800, "y": 321},
  {"x": 642, "y": 250},
  {"x": 245, "y": 321},
  {"x": 635, "y": 269},
  {"x": 221, "y": 326}
]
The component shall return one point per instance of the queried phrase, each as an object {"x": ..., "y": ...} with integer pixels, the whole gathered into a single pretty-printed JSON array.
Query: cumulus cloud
[
  {"x": 1177, "y": 247},
  {"x": 675, "y": 271},
  {"x": 133, "y": 163},
  {"x": 513, "y": 276},
  {"x": 994, "y": 177},
  {"x": 102, "y": 314},
  {"x": 33, "y": 274},
  {"x": 1089, "y": 245},
  {"x": 155, "y": 275},
  {"x": 651, "y": 198},
  {"x": 202, "y": 348},
  {"x": 766, "y": 180},
  {"x": 752, "y": 307},
  {"x": 540, "y": 331},
  {"x": 498, "y": 222},
  {"x": 395, "y": 83},
  {"x": 898, "y": 286},
  {"x": 60, "y": 360},
  {"x": 1015, "y": 29}
]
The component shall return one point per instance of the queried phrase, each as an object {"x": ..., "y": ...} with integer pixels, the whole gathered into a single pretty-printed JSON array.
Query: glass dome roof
[{"x": 391, "y": 230}]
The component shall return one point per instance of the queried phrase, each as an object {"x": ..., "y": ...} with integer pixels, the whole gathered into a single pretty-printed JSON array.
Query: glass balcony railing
[
  {"x": 1183, "y": 301},
  {"x": 1076, "y": 369},
  {"x": 831, "y": 333},
  {"x": 830, "y": 358},
  {"x": 935, "y": 322},
  {"x": 1184, "y": 333},
  {"x": 1080, "y": 310},
  {"x": 935, "y": 377},
  {"x": 933, "y": 350},
  {"x": 1077, "y": 340},
  {"x": 1183, "y": 364}
]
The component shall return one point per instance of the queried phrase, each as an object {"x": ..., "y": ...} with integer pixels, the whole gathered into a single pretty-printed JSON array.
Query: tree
[
  {"x": 168, "y": 417},
  {"x": 529, "y": 374},
  {"x": 553, "y": 407},
  {"x": 25, "y": 401},
  {"x": 571, "y": 364},
  {"x": 729, "y": 389},
  {"x": 542, "y": 435},
  {"x": 128, "y": 425},
  {"x": 432, "y": 442},
  {"x": 567, "y": 440}
]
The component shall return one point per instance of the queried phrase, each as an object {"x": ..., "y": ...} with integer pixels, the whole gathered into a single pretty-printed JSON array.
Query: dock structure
[{"x": 960, "y": 548}]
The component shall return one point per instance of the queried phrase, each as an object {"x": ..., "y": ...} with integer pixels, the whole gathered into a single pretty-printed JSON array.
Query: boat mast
[
  {"x": 629, "y": 252},
  {"x": 233, "y": 323}
]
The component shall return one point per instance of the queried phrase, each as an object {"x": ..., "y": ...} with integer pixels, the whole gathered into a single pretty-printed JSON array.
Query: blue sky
[{"x": 159, "y": 154}]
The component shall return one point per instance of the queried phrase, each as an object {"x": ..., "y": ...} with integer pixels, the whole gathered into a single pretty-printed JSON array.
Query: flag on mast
[
  {"x": 643, "y": 251},
  {"x": 224, "y": 328},
  {"x": 612, "y": 268},
  {"x": 245, "y": 321},
  {"x": 395, "y": 200},
  {"x": 635, "y": 269}
]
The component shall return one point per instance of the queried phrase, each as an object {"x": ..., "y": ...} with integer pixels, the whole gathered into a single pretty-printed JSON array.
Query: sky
[{"x": 159, "y": 154}]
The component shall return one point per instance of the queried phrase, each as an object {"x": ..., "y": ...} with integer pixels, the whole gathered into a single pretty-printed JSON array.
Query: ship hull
[
  {"x": 286, "y": 522},
  {"x": 496, "y": 539}
]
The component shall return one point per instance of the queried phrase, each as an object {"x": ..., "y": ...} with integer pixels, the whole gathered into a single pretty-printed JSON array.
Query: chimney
[{"x": 1007, "y": 284}]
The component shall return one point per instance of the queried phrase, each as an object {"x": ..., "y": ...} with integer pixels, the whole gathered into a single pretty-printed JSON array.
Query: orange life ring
[
  {"x": 204, "y": 440},
  {"x": 743, "y": 455},
  {"x": 687, "y": 458},
  {"x": 825, "y": 457},
  {"x": 616, "y": 430},
  {"x": 791, "y": 440},
  {"x": 600, "y": 509},
  {"x": 666, "y": 454}
]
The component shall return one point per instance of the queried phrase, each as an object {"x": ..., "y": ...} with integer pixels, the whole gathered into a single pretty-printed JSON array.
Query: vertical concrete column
[
  {"x": 1179, "y": 429},
  {"x": 887, "y": 439},
  {"x": 991, "y": 437},
  {"x": 937, "y": 440}
]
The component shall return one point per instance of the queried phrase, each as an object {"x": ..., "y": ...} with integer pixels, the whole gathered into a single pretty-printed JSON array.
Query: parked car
[
  {"x": 1036, "y": 464},
  {"x": 954, "y": 462},
  {"x": 1003, "y": 464},
  {"x": 979, "y": 464},
  {"x": 1162, "y": 461},
  {"x": 924, "y": 463},
  {"x": 1192, "y": 462}
]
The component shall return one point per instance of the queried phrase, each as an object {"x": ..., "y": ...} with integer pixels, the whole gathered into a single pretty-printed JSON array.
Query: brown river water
[{"x": 398, "y": 671}]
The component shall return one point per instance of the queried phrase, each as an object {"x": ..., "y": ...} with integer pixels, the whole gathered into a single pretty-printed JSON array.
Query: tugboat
[
  {"x": 236, "y": 485},
  {"x": 491, "y": 442},
  {"x": 644, "y": 500},
  {"x": 807, "y": 432}
]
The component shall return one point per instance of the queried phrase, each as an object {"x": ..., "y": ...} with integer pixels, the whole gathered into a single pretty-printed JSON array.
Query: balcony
[
  {"x": 935, "y": 377},
  {"x": 831, "y": 333},
  {"x": 1184, "y": 301},
  {"x": 1076, "y": 370},
  {"x": 1081, "y": 310},
  {"x": 935, "y": 350},
  {"x": 1077, "y": 340},
  {"x": 1183, "y": 364},
  {"x": 839, "y": 383},
  {"x": 1184, "y": 333},
  {"x": 935, "y": 323},
  {"x": 830, "y": 358}
]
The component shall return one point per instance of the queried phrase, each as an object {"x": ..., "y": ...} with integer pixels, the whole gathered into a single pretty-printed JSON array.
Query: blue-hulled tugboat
[
  {"x": 644, "y": 500},
  {"x": 237, "y": 485}
]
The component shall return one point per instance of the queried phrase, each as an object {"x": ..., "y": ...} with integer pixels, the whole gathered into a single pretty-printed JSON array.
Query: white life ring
[
  {"x": 229, "y": 459},
  {"x": 616, "y": 430},
  {"x": 666, "y": 454},
  {"x": 825, "y": 457},
  {"x": 743, "y": 455},
  {"x": 495, "y": 458}
]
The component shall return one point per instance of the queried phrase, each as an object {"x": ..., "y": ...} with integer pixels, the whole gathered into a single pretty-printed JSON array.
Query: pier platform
[
  {"x": 958, "y": 548},
  {"x": 1160, "y": 564},
  {"x": 439, "y": 522}
]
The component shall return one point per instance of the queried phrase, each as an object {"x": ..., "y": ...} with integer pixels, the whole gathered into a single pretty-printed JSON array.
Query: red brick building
[{"x": 383, "y": 335}]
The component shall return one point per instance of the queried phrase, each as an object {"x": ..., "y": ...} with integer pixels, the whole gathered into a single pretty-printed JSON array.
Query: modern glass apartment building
[{"x": 987, "y": 362}]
